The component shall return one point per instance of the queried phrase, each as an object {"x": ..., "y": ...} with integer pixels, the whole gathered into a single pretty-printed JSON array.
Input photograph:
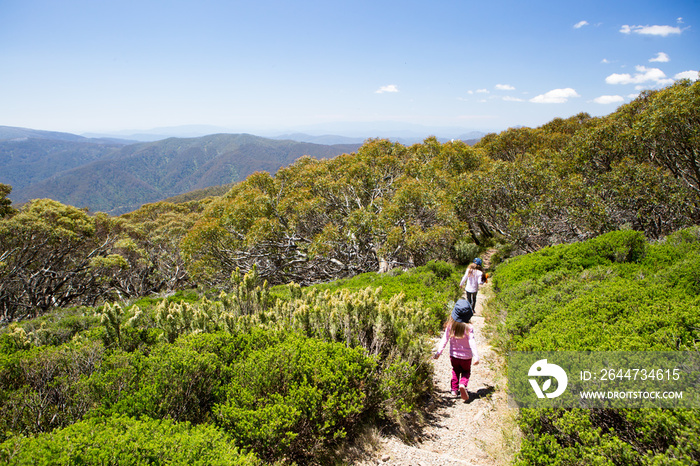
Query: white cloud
[
  {"x": 512, "y": 99},
  {"x": 504, "y": 87},
  {"x": 690, "y": 74},
  {"x": 555, "y": 96},
  {"x": 580, "y": 24},
  {"x": 389, "y": 88},
  {"x": 655, "y": 30},
  {"x": 609, "y": 99},
  {"x": 482, "y": 91},
  {"x": 661, "y": 58},
  {"x": 643, "y": 75}
]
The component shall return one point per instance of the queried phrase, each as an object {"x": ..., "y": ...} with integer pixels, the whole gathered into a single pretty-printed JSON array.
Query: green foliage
[
  {"x": 433, "y": 285},
  {"x": 668, "y": 129},
  {"x": 331, "y": 223},
  {"x": 45, "y": 249},
  {"x": 53, "y": 255},
  {"x": 122, "y": 440},
  {"x": 626, "y": 436},
  {"x": 574, "y": 179},
  {"x": 315, "y": 393},
  {"x": 148, "y": 240},
  {"x": 509, "y": 145},
  {"x": 289, "y": 377},
  {"x": 466, "y": 251},
  {"x": 248, "y": 295},
  {"x": 5, "y": 203},
  {"x": 111, "y": 318},
  {"x": 442, "y": 270},
  {"x": 57, "y": 327},
  {"x": 175, "y": 382},
  {"x": 317, "y": 221},
  {"x": 619, "y": 246},
  {"x": 614, "y": 293},
  {"x": 44, "y": 387}
]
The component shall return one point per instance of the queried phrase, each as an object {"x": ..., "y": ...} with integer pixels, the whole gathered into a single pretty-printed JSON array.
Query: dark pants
[
  {"x": 471, "y": 297},
  {"x": 461, "y": 371}
]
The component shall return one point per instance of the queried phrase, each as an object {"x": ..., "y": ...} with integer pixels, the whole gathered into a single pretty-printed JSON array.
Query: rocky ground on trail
[{"x": 481, "y": 431}]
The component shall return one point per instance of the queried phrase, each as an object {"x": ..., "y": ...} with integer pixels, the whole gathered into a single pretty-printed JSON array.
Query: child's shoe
[
  {"x": 454, "y": 393},
  {"x": 463, "y": 392}
]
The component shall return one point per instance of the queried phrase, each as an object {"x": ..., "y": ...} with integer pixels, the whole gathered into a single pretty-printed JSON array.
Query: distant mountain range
[
  {"x": 14, "y": 133},
  {"x": 118, "y": 174},
  {"x": 327, "y": 133}
]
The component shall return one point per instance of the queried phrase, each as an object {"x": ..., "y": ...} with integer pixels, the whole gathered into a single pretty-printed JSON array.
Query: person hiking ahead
[{"x": 473, "y": 277}]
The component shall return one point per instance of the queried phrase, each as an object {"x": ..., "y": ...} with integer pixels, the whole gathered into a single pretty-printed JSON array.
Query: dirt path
[{"x": 481, "y": 431}]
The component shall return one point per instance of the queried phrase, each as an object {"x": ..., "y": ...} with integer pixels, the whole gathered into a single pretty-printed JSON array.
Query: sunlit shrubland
[{"x": 616, "y": 292}]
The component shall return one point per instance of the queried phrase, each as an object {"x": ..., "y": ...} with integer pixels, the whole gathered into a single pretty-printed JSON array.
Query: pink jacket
[{"x": 460, "y": 348}]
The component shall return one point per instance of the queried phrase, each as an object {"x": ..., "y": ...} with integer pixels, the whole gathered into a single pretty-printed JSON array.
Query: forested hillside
[
  {"x": 116, "y": 177},
  {"x": 26, "y": 161},
  {"x": 260, "y": 280}
]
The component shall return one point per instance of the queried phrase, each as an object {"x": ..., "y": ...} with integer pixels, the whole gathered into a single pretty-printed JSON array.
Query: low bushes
[
  {"x": 285, "y": 374},
  {"x": 613, "y": 293},
  {"x": 615, "y": 247},
  {"x": 125, "y": 441},
  {"x": 296, "y": 398}
]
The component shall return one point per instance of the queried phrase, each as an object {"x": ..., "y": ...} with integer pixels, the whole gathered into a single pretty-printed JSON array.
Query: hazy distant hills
[
  {"x": 345, "y": 132},
  {"x": 115, "y": 177},
  {"x": 19, "y": 134},
  {"x": 469, "y": 138},
  {"x": 118, "y": 173}
]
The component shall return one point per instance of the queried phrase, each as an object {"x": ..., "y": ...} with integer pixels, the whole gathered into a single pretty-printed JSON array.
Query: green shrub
[
  {"x": 175, "y": 381},
  {"x": 620, "y": 246},
  {"x": 607, "y": 436},
  {"x": 113, "y": 386},
  {"x": 44, "y": 387},
  {"x": 431, "y": 285},
  {"x": 124, "y": 441},
  {"x": 465, "y": 251},
  {"x": 60, "y": 326},
  {"x": 402, "y": 387},
  {"x": 298, "y": 398},
  {"x": 441, "y": 269}
]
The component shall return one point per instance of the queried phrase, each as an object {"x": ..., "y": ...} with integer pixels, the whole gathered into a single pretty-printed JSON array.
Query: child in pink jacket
[{"x": 460, "y": 333}]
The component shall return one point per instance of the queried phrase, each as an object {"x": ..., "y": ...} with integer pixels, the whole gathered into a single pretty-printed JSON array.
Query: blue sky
[{"x": 264, "y": 66}]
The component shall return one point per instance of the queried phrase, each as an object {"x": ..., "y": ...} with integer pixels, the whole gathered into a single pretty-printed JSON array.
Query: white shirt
[{"x": 471, "y": 284}]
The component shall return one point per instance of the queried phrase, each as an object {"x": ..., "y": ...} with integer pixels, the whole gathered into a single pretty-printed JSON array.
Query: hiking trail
[{"x": 481, "y": 431}]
